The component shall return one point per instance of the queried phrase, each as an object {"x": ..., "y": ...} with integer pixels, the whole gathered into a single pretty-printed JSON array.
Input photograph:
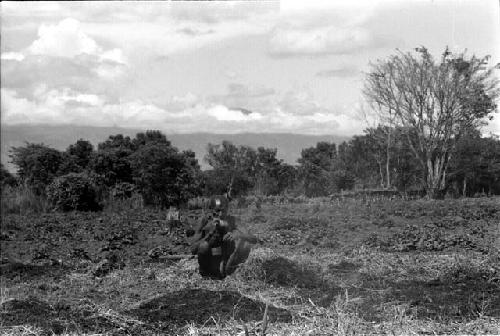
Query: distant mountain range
[{"x": 61, "y": 136}]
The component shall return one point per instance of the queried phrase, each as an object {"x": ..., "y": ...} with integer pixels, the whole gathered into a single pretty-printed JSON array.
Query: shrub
[{"x": 74, "y": 191}]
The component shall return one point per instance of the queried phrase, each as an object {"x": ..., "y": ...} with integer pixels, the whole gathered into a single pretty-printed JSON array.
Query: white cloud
[
  {"x": 310, "y": 5},
  {"x": 109, "y": 71},
  {"x": 493, "y": 126},
  {"x": 341, "y": 71},
  {"x": 115, "y": 55},
  {"x": 15, "y": 109},
  {"x": 222, "y": 113},
  {"x": 324, "y": 40},
  {"x": 303, "y": 103},
  {"x": 246, "y": 98},
  {"x": 66, "y": 39},
  {"x": 324, "y": 28},
  {"x": 14, "y": 56},
  {"x": 184, "y": 27},
  {"x": 175, "y": 104},
  {"x": 64, "y": 55},
  {"x": 69, "y": 106}
]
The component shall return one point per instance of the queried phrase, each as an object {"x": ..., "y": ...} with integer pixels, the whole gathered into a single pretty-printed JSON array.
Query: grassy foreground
[{"x": 326, "y": 267}]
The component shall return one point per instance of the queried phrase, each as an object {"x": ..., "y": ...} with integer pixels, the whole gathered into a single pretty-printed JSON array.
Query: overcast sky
[{"x": 221, "y": 67}]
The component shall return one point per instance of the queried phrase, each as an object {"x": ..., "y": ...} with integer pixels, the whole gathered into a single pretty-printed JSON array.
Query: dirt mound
[{"x": 200, "y": 305}]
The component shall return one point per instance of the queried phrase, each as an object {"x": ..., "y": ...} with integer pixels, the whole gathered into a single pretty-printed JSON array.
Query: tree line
[
  {"x": 150, "y": 166},
  {"x": 428, "y": 113}
]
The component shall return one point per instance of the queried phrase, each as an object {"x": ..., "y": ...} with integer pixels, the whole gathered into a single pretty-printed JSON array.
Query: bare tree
[{"x": 435, "y": 102}]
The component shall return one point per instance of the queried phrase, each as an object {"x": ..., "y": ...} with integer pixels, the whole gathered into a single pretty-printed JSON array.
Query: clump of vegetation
[{"x": 74, "y": 191}]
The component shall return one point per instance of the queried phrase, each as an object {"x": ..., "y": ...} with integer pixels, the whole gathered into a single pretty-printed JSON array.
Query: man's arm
[
  {"x": 240, "y": 235},
  {"x": 203, "y": 222},
  {"x": 198, "y": 235}
]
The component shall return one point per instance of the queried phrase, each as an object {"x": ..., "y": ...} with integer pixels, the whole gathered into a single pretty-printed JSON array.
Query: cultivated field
[{"x": 325, "y": 267}]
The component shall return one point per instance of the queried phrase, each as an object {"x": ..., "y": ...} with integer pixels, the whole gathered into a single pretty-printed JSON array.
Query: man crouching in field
[{"x": 219, "y": 245}]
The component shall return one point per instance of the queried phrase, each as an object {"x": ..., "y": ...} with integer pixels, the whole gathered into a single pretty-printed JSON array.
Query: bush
[{"x": 74, "y": 191}]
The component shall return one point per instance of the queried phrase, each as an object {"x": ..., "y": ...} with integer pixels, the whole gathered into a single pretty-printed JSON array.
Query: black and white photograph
[{"x": 250, "y": 168}]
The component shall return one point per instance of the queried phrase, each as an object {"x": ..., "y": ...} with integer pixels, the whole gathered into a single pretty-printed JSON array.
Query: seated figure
[{"x": 218, "y": 243}]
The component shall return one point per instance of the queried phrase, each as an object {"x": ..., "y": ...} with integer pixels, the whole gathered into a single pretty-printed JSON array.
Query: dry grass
[{"x": 21, "y": 200}]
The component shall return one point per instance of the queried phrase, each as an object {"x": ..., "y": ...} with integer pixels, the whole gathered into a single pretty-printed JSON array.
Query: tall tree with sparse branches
[{"x": 436, "y": 102}]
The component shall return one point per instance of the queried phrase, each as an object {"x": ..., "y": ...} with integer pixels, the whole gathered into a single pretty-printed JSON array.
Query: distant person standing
[
  {"x": 173, "y": 218},
  {"x": 218, "y": 243}
]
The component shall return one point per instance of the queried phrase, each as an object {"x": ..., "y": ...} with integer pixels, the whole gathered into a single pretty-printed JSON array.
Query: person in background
[{"x": 219, "y": 245}]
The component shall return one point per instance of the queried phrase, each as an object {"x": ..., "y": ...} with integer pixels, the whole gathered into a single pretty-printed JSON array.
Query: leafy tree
[
  {"x": 236, "y": 165},
  {"x": 113, "y": 165},
  {"x": 343, "y": 179},
  {"x": 267, "y": 172},
  {"x": 117, "y": 141},
  {"x": 287, "y": 177},
  {"x": 475, "y": 165},
  {"x": 316, "y": 167},
  {"x": 245, "y": 168},
  {"x": 323, "y": 155},
  {"x": 37, "y": 165},
  {"x": 77, "y": 157},
  {"x": 435, "y": 102},
  {"x": 216, "y": 182},
  {"x": 163, "y": 175},
  {"x": 316, "y": 180},
  {"x": 150, "y": 136},
  {"x": 82, "y": 152},
  {"x": 356, "y": 156},
  {"x": 111, "y": 160}
]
